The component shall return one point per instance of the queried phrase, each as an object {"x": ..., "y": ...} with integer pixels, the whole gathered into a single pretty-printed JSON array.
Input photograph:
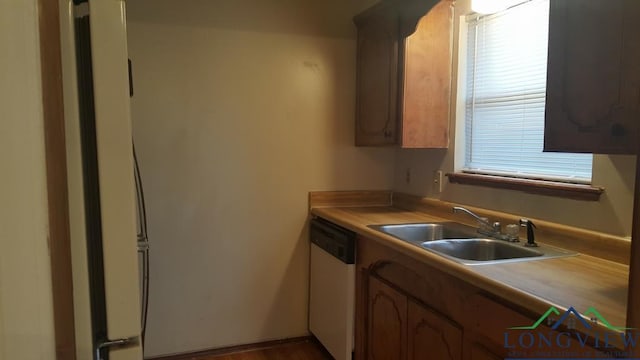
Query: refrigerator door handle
[{"x": 120, "y": 343}]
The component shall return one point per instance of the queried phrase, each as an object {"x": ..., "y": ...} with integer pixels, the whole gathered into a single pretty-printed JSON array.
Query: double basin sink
[{"x": 463, "y": 244}]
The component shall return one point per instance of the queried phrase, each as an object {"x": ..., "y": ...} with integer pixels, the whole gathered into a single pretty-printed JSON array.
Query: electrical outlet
[
  {"x": 407, "y": 176},
  {"x": 437, "y": 181}
]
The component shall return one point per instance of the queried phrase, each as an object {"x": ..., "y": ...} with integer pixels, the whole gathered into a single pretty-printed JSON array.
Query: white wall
[
  {"x": 612, "y": 214},
  {"x": 26, "y": 311},
  {"x": 241, "y": 107}
]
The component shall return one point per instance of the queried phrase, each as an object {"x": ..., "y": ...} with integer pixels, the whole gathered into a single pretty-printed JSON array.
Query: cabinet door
[
  {"x": 489, "y": 323},
  {"x": 426, "y": 80},
  {"x": 479, "y": 352},
  {"x": 377, "y": 76},
  {"x": 387, "y": 325},
  {"x": 431, "y": 336},
  {"x": 593, "y": 80}
]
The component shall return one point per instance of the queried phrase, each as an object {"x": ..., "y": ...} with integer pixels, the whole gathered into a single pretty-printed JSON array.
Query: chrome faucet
[{"x": 491, "y": 229}]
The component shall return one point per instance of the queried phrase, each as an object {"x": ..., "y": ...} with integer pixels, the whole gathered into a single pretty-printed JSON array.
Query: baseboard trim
[{"x": 234, "y": 349}]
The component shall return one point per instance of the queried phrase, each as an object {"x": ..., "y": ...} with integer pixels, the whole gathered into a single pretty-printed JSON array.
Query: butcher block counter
[{"x": 584, "y": 282}]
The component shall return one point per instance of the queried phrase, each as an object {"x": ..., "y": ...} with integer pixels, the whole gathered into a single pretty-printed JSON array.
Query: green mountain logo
[
  {"x": 591, "y": 313},
  {"x": 598, "y": 318},
  {"x": 552, "y": 310}
]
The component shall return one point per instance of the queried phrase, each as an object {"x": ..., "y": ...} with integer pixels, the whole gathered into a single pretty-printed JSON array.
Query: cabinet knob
[{"x": 618, "y": 129}]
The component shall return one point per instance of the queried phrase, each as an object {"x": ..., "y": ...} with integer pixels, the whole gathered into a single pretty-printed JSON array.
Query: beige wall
[
  {"x": 241, "y": 108},
  {"x": 26, "y": 313},
  {"x": 612, "y": 214}
]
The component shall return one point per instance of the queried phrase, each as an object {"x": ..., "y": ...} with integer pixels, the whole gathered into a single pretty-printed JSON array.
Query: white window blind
[{"x": 505, "y": 97}]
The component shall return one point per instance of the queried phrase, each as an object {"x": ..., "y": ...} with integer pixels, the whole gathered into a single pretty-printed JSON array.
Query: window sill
[{"x": 540, "y": 187}]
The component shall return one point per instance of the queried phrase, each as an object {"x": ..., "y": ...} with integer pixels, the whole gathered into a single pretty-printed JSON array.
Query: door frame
[{"x": 56, "y": 172}]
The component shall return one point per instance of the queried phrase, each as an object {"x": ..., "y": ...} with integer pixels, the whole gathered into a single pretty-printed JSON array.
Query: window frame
[{"x": 543, "y": 185}]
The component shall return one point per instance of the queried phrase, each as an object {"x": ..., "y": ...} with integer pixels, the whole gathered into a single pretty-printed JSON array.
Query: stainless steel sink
[
  {"x": 490, "y": 251},
  {"x": 461, "y": 243},
  {"x": 421, "y": 232}
]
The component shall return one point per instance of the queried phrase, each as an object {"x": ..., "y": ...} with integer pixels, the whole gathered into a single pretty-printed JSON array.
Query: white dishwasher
[{"x": 332, "y": 287}]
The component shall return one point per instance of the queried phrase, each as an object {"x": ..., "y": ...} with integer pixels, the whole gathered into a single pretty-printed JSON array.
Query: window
[{"x": 505, "y": 97}]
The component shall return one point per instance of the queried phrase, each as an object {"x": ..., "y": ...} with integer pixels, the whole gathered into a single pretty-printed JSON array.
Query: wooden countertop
[{"x": 581, "y": 281}]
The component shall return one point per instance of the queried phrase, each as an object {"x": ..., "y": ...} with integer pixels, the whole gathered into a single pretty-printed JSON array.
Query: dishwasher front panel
[{"x": 332, "y": 302}]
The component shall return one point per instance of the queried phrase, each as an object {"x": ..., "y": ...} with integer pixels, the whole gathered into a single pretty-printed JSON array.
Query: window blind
[{"x": 505, "y": 98}]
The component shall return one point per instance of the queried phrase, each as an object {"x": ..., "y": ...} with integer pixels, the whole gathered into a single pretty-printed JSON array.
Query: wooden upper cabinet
[
  {"x": 593, "y": 76},
  {"x": 404, "y": 74},
  {"x": 377, "y": 76},
  {"x": 426, "y": 80}
]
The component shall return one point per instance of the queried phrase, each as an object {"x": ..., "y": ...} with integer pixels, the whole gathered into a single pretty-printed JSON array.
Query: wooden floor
[{"x": 301, "y": 350}]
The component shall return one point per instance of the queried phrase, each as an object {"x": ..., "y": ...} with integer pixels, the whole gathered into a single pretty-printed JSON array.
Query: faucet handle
[
  {"x": 484, "y": 224},
  {"x": 512, "y": 232}
]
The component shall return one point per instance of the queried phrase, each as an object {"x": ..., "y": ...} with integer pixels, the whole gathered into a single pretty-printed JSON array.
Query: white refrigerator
[{"x": 102, "y": 198}]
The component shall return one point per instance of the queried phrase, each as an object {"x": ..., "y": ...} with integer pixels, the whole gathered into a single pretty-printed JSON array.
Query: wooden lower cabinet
[
  {"x": 489, "y": 327},
  {"x": 387, "y": 331},
  {"x": 401, "y": 328},
  {"x": 431, "y": 336},
  {"x": 410, "y": 310},
  {"x": 479, "y": 352}
]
